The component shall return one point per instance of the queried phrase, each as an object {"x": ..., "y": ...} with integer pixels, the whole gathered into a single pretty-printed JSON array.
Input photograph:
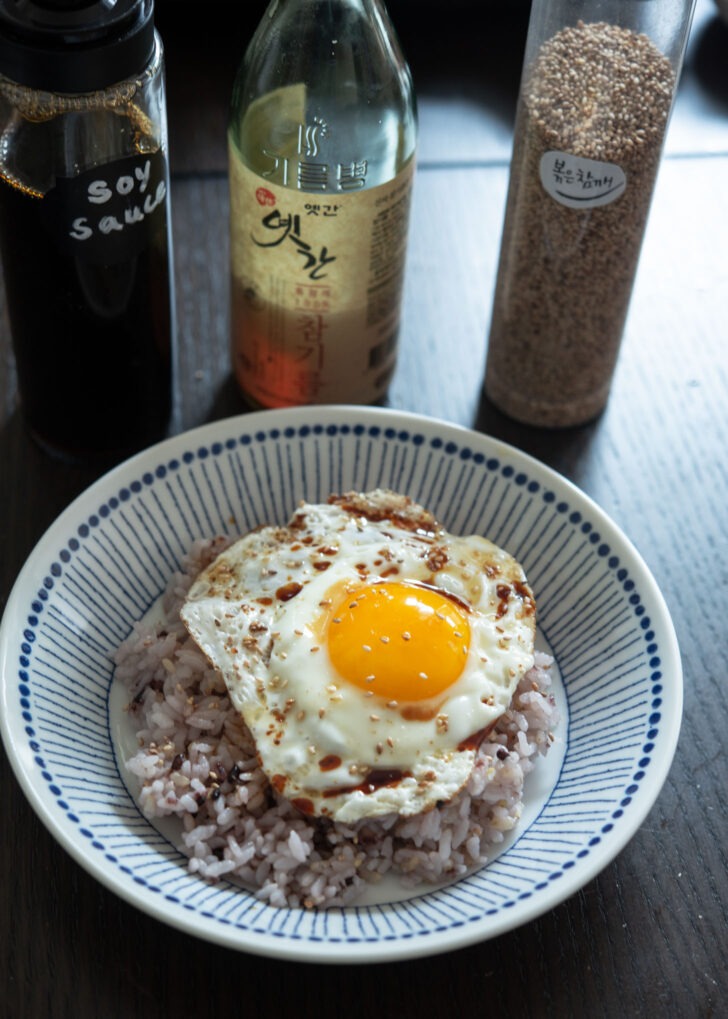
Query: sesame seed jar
[{"x": 597, "y": 88}]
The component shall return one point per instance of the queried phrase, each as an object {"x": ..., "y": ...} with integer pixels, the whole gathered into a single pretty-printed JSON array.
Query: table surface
[{"x": 647, "y": 936}]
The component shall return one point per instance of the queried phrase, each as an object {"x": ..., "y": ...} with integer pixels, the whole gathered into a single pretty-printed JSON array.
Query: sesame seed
[{"x": 594, "y": 92}]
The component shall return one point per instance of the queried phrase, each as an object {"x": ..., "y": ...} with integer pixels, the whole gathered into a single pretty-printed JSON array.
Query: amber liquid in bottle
[{"x": 321, "y": 153}]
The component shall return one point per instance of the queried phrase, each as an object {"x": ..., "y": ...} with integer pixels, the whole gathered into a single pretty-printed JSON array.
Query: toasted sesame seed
[{"x": 595, "y": 92}]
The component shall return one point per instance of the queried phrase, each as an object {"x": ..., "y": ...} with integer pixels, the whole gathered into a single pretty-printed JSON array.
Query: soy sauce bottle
[{"x": 85, "y": 223}]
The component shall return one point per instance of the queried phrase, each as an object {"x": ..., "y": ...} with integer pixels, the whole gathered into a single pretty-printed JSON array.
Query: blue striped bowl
[{"x": 106, "y": 560}]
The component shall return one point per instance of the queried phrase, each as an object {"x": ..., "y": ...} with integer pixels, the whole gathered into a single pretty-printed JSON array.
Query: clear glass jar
[
  {"x": 85, "y": 226},
  {"x": 322, "y": 139},
  {"x": 596, "y": 93}
]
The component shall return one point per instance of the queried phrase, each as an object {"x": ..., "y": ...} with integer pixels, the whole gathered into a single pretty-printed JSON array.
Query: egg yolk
[{"x": 402, "y": 641}]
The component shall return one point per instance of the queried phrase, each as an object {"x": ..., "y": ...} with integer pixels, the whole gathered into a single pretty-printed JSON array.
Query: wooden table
[{"x": 648, "y": 936}]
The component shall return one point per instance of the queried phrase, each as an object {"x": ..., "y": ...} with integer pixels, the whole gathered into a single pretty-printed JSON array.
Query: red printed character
[{"x": 265, "y": 197}]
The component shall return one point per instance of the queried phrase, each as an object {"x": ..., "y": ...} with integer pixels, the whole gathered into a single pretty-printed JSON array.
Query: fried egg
[{"x": 368, "y": 651}]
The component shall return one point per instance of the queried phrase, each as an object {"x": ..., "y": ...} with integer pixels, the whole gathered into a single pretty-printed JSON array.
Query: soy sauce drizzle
[{"x": 376, "y": 779}]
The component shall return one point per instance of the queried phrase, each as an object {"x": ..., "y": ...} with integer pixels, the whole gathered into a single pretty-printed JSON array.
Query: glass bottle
[
  {"x": 597, "y": 89},
  {"x": 322, "y": 138},
  {"x": 84, "y": 223}
]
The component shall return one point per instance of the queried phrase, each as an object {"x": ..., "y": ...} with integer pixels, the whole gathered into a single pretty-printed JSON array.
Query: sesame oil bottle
[{"x": 321, "y": 139}]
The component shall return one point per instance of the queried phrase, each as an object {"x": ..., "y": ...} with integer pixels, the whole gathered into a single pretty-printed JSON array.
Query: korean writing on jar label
[{"x": 580, "y": 183}]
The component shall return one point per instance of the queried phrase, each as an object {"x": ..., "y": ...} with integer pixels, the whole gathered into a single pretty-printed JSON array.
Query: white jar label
[{"x": 581, "y": 183}]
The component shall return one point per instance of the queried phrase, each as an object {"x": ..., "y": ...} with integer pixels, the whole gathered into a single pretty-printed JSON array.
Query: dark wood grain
[{"x": 647, "y": 936}]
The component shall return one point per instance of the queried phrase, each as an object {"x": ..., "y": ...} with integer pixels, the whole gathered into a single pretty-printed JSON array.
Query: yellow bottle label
[{"x": 316, "y": 288}]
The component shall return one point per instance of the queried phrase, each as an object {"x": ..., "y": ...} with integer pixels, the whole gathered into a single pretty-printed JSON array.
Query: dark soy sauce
[{"x": 92, "y": 340}]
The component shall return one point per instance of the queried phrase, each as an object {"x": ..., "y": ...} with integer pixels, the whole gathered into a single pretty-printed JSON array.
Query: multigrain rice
[{"x": 196, "y": 761}]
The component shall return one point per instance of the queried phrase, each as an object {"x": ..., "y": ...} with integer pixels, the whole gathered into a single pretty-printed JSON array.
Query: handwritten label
[
  {"x": 109, "y": 213},
  {"x": 581, "y": 183}
]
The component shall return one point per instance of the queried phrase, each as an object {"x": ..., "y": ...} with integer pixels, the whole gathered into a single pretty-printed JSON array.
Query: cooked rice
[{"x": 197, "y": 761}]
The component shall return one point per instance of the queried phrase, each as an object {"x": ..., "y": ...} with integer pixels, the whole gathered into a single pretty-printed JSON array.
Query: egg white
[{"x": 260, "y": 611}]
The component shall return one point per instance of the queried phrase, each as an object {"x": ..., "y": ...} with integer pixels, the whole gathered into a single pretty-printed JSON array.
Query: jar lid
[{"x": 73, "y": 46}]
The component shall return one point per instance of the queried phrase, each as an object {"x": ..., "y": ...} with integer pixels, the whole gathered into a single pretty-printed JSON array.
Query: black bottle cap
[{"x": 74, "y": 46}]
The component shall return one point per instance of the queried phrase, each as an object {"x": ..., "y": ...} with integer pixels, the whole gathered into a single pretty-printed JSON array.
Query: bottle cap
[{"x": 74, "y": 46}]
